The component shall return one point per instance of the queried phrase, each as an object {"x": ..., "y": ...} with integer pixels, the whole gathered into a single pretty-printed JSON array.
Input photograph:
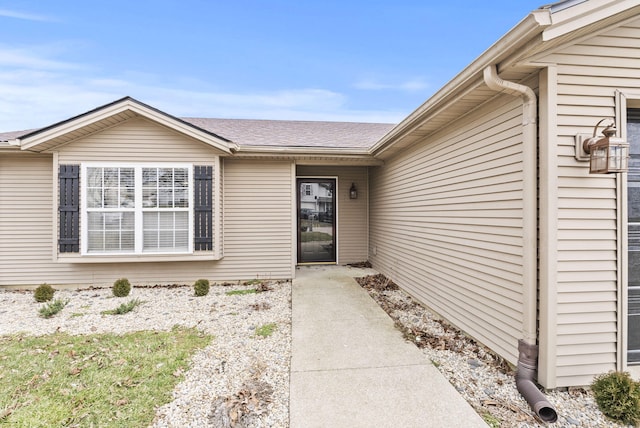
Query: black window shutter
[
  {"x": 69, "y": 208},
  {"x": 203, "y": 208}
]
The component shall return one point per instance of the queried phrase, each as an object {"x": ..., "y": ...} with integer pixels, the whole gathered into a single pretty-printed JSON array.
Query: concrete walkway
[{"x": 351, "y": 367}]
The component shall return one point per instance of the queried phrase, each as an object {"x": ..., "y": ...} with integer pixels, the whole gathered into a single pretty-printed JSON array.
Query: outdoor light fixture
[
  {"x": 606, "y": 154},
  {"x": 353, "y": 192}
]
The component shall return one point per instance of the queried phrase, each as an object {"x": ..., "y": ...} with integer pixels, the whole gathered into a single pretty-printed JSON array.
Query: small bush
[
  {"x": 266, "y": 330},
  {"x": 618, "y": 396},
  {"x": 121, "y": 287},
  {"x": 123, "y": 308},
  {"x": 201, "y": 287},
  {"x": 43, "y": 293},
  {"x": 52, "y": 308}
]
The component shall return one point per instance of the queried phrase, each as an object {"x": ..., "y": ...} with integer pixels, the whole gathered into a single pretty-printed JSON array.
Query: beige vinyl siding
[
  {"x": 352, "y": 213},
  {"x": 446, "y": 223},
  {"x": 25, "y": 219},
  {"x": 137, "y": 140},
  {"x": 256, "y": 214},
  {"x": 589, "y": 73},
  {"x": 257, "y": 219}
]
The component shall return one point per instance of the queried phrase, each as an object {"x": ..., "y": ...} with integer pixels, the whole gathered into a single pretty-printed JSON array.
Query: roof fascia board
[
  {"x": 313, "y": 154},
  {"x": 333, "y": 161},
  {"x": 302, "y": 150},
  {"x": 127, "y": 104},
  {"x": 9, "y": 146},
  {"x": 531, "y": 26},
  {"x": 305, "y": 159},
  {"x": 583, "y": 14}
]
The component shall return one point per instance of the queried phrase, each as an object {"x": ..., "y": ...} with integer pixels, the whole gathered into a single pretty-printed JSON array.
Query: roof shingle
[
  {"x": 6, "y": 136},
  {"x": 281, "y": 133},
  {"x": 285, "y": 133}
]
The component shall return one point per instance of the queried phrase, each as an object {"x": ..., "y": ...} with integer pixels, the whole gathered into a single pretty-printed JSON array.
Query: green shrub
[
  {"x": 121, "y": 287},
  {"x": 123, "y": 308},
  {"x": 618, "y": 396},
  {"x": 43, "y": 293},
  {"x": 52, "y": 308},
  {"x": 201, "y": 287}
]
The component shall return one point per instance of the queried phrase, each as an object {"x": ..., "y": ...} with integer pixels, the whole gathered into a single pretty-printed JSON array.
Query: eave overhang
[
  {"x": 47, "y": 139},
  {"x": 515, "y": 56},
  {"x": 310, "y": 155},
  {"x": 586, "y": 13},
  {"x": 446, "y": 104},
  {"x": 10, "y": 145}
]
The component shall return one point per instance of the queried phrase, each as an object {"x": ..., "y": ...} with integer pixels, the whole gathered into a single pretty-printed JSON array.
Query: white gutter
[
  {"x": 10, "y": 145},
  {"x": 531, "y": 25},
  {"x": 309, "y": 155},
  {"x": 303, "y": 150}
]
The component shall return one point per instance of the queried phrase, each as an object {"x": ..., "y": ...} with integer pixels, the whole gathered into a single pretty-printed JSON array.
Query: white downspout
[
  {"x": 527, "y": 347},
  {"x": 529, "y": 196}
]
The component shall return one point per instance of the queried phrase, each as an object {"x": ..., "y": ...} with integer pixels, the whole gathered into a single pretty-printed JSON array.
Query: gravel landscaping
[
  {"x": 483, "y": 379},
  {"x": 242, "y": 378}
]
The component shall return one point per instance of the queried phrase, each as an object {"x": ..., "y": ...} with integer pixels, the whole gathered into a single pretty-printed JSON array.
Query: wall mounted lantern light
[
  {"x": 353, "y": 192},
  {"x": 606, "y": 154}
]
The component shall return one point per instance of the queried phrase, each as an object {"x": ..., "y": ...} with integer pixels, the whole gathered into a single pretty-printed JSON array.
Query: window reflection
[
  {"x": 316, "y": 221},
  {"x": 165, "y": 188}
]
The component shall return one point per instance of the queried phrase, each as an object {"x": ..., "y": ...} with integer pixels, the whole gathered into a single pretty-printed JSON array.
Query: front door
[
  {"x": 633, "y": 204},
  {"x": 316, "y": 220}
]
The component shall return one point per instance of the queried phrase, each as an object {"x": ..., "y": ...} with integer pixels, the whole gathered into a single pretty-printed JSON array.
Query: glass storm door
[
  {"x": 316, "y": 220},
  {"x": 633, "y": 207}
]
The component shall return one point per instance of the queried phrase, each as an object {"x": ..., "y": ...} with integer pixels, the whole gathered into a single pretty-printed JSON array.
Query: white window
[{"x": 135, "y": 209}]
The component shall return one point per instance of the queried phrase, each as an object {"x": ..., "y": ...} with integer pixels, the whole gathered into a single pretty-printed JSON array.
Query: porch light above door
[{"x": 607, "y": 154}]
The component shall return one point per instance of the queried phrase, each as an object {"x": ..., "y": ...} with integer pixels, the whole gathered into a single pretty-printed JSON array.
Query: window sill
[{"x": 146, "y": 258}]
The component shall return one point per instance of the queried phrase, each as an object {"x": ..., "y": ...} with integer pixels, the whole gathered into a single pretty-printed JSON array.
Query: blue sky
[{"x": 345, "y": 60}]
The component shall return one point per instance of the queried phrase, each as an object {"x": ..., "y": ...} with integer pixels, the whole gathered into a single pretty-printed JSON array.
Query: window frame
[{"x": 138, "y": 209}]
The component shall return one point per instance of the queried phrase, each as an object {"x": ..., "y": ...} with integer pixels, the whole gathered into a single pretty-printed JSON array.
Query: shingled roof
[
  {"x": 286, "y": 133},
  {"x": 6, "y": 136},
  {"x": 280, "y": 133}
]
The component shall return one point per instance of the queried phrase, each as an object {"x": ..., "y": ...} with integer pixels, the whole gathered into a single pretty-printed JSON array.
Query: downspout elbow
[
  {"x": 530, "y": 102},
  {"x": 527, "y": 365}
]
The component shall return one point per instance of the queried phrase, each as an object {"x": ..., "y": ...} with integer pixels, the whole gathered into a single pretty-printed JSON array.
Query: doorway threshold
[{"x": 316, "y": 263}]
